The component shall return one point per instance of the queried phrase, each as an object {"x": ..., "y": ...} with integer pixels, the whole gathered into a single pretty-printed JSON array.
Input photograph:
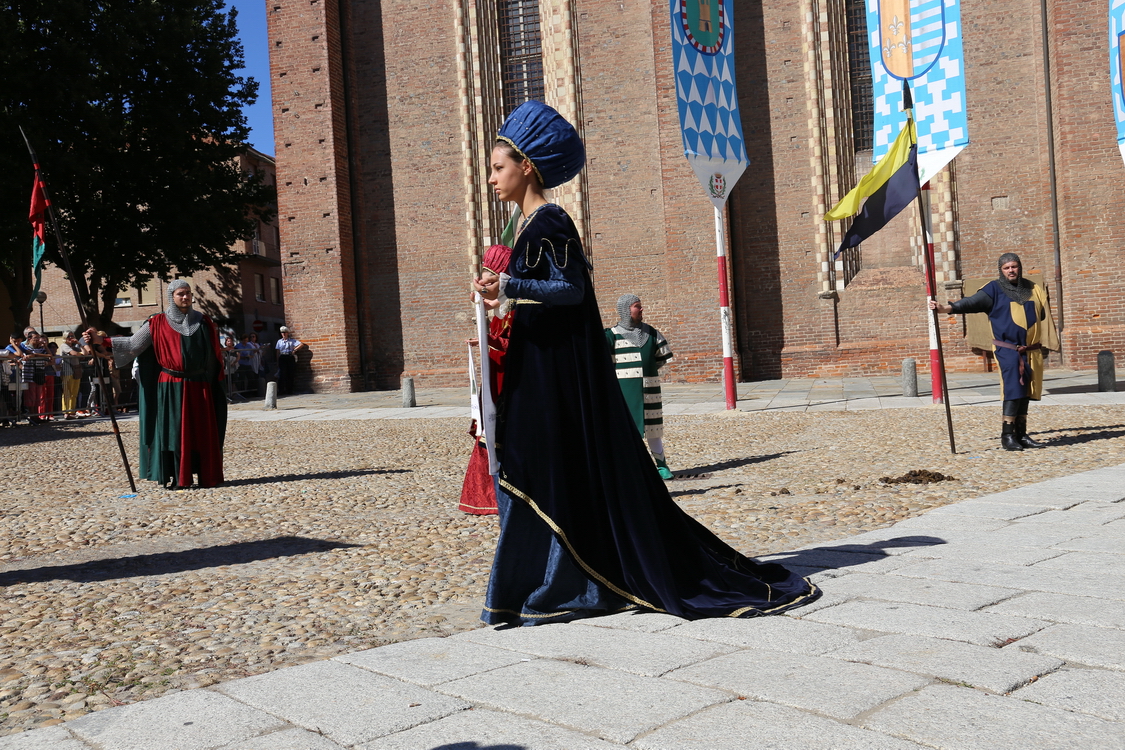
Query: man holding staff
[
  {"x": 1022, "y": 328},
  {"x": 182, "y": 403}
]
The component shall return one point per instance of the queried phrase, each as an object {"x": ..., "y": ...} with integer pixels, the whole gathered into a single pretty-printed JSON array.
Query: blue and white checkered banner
[
  {"x": 1116, "y": 63},
  {"x": 703, "y": 56},
  {"x": 919, "y": 41}
]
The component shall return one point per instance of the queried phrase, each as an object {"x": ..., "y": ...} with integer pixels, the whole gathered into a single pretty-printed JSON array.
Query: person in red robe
[
  {"x": 182, "y": 402},
  {"x": 478, "y": 494}
]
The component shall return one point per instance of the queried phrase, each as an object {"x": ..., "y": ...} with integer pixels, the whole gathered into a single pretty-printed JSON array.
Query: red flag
[{"x": 38, "y": 218}]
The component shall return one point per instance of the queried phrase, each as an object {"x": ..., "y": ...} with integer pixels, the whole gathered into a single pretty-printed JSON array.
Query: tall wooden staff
[
  {"x": 936, "y": 362},
  {"x": 81, "y": 308}
]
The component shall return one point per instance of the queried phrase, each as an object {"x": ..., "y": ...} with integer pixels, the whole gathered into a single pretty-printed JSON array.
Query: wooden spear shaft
[{"x": 81, "y": 310}]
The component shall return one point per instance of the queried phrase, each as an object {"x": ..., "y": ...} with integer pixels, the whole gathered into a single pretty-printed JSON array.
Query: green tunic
[{"x": 638, "y": 375}]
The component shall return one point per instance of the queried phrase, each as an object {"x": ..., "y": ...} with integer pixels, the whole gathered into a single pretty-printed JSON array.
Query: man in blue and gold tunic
[
  {"x": 1022, "y": 329},
  {"x": 639, "y": 351}
]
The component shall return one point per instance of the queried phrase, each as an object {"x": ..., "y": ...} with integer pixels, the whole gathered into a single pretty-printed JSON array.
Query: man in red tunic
[{"x": 183, "y": 406}]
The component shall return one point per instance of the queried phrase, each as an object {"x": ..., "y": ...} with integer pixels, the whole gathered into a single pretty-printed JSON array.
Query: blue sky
[{"x": 252, "y": 32}]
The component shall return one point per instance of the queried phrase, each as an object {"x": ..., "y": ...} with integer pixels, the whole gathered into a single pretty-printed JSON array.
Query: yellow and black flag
[{"x": 888, "y": 188}]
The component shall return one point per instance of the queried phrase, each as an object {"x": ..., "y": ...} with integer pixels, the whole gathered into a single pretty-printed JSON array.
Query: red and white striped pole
[
  {"x": 724, "y": 312},
  {"x": 931, "y": 293}
]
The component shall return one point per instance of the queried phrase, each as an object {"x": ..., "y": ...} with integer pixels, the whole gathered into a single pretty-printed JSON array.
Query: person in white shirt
[{"x": 287, "y": 348}]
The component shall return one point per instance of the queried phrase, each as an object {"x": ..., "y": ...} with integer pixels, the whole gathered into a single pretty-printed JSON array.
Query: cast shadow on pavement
[
  {"x": 1091, "y": 388},
  {"x": 734, "y": 463},
  {"x": 702, "y": 490},
  {"x": 847, "y": 555},
  {"x": 470, "y": 745},
  {"x": 1089, "y": 435},
  {"x": 340, "y": 474},
  {"x": 161, "y": 563}
]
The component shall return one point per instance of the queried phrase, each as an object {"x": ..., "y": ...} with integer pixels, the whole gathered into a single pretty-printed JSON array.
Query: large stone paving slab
[
  {"x": 986, "y": 550},
  {"x": 1095, "y": 563},
  {"x": 647, "y": 654},
  {"x": 980, "y": 628},
  {"x": 51, "y": 738},
  {"x": 641, "y": 622},
  {"x": 776, "y": 633},
  {"x": 428, "y": 661},
  {"x": 958, "y": 718},
  {"x": 998, "y": 670},
  {"x": 197, "y": 719},
  {"x": 1097, "y": 647},
  {"x": 1029, "y": 578},
  {"x": 743, "y": 725},
  {"x": 987, "y": 509},
  {"x": 287, "y": 739},
  {"x": 964, "y": 596},
  {"x": 1078, "y": 610},
  {"x": 1109, "y": 538},
  {"x": 612, "y": 705},
  {"x": 347, "y": 704},
  {"x": 489, "y": 730},
  {"x": 837, "y": 688},
  {"x": 1090, "y": 691}
]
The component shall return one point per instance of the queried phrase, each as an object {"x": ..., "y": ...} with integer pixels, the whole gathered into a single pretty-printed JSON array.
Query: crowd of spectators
[{"x": 42, "y": 380}]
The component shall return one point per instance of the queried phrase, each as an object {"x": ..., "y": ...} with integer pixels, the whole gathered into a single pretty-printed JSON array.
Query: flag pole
[
  {"x": 939, "y": 385},
  {"x": 729, "y": 387},
  {"x": 81, "y": 309}
]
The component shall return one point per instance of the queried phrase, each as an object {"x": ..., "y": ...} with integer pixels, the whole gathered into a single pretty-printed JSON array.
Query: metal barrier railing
[{"x": 38, "y": 390}]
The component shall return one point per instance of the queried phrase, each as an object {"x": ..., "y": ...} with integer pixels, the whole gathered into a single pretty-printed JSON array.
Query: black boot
[
  {"x": 1008, "y": 438},
  {"x": 1021, "y": 434}
]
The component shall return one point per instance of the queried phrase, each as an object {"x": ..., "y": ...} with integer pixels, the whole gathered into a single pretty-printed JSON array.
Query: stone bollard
[
  {"x": 1107, "y": 375},
  {"x": 408, "y": 401},
  {"x": 909, "y": 377},
  {"x": 271, "y": 395}
]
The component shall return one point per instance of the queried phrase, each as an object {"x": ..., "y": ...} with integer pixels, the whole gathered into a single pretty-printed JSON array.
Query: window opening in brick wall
[
  {"x": 521, "y": 52},
  {"x": 259, "y": 287},
  {"x": 859, "y": 64},
  {"x": 275, "y": 290}
]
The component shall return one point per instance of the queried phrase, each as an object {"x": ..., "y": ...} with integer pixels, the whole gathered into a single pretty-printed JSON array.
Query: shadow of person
[
  {"x": 734, "y": 463},
  {"x": 341, "y": 474},
  {"x": 161, "y": 563},
  {"x": 1088, "y": 435},
  {"x": 848, "y": 555},
  {"x": 470, "y": 745}
]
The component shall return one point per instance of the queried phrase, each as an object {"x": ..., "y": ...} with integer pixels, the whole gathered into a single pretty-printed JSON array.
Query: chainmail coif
[
  {"x": 1020, "y": 291},
  {"x": 635, "y": 334}
]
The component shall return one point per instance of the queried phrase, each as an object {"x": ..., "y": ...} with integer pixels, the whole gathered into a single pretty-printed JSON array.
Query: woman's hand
[{"x": 489, "y": 290}]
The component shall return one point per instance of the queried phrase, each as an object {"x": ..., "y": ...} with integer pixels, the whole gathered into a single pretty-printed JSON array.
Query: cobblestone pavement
[{"x": 335, "y": 536}]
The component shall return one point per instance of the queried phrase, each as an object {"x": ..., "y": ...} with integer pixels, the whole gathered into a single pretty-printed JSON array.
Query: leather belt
[{"x": 1021, "y": 350}]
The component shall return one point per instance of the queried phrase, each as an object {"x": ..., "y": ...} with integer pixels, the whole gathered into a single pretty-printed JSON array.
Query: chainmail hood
[
  {"x": 1020, "y": 290},
  {"x": 184, "y": 323},
  {"x": 635, "y": 334}
]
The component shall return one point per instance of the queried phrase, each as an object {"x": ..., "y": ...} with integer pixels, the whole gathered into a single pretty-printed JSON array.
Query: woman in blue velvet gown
[{"x": 587, "y": 525}]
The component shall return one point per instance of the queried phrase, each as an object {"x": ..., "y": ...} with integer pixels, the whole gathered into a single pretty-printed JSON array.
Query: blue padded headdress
[{"x": 547, "y": 140}]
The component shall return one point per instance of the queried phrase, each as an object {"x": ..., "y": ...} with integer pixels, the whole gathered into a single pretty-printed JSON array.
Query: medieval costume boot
[
  {"x": 1008, "y": 438},
  {"x": 1021, "y": 434},
  {"x": 662, "y": 466}
]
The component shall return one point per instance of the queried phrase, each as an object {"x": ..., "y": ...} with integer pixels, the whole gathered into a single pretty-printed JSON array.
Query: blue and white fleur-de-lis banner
[
  {"x": 919, "y": 41},
  {"x": 1116, "y": 64},
  {"x": 703, "y": 58}
]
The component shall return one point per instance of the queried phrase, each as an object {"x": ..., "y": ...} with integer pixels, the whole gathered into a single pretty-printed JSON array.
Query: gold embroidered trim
[
  {"x": 573, "y": 553},
  {"x": 528, "y": 302},
  {"x": 512, "y": 143},
  {"x": 813, "y": 590},
  {"x": 526, "y": 616}
]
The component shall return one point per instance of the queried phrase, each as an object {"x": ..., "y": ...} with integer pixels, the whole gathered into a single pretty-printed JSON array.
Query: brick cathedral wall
[
  {"x": 1090, "y": 186},
  {"x": 650, "y": 224},
  {"x": 314, "y": 202}
]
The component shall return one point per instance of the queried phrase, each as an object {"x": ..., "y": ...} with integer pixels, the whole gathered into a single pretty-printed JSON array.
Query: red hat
[{"x": 496, "y": 258}]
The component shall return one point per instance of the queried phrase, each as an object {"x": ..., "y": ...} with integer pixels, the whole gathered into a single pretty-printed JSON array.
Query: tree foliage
[{"x": 135, "y": 110}]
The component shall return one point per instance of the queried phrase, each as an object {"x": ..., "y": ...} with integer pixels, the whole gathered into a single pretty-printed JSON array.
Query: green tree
[{"x": 135, "y": 110}]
